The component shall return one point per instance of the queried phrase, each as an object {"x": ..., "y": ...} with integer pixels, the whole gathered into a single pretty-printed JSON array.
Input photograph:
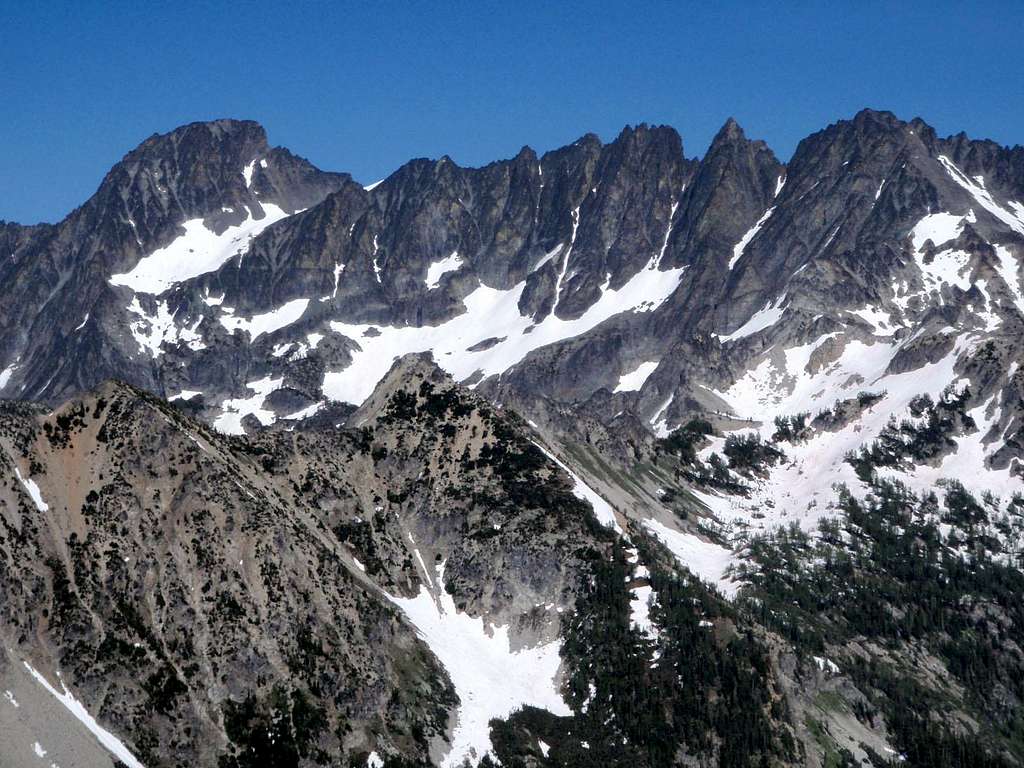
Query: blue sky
[{"x": 364, "y": 87}]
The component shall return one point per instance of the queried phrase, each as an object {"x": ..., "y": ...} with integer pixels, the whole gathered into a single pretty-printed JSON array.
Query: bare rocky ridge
[{"x": 193, "y": 585}]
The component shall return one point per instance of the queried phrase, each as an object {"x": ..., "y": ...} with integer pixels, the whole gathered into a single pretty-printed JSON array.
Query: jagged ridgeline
[{"x": 608, "y": 456}]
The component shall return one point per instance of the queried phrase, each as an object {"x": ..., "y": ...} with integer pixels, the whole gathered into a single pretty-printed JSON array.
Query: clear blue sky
[{"x": 364, "y": 87}]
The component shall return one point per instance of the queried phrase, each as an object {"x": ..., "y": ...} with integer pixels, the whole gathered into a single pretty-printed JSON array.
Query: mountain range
[{"x": 607, "y": 456}]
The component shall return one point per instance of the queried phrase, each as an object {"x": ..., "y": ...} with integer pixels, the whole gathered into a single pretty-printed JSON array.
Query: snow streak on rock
[{"x": 109, "y": 741}]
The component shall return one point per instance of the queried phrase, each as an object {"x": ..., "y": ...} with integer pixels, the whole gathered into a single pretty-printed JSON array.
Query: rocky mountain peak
[
  {"x": 406, "y": 375},
  {"x": 729, "y": 132}
]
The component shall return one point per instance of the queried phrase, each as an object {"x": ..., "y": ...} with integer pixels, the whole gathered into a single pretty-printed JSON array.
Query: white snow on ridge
[
  {"x": 109, "y": 741},
  {"x": 1012, "y": 218},
  {"x": 194, "y": 253},
  {"x": 603, "y": 511},
  {"x": 490, "y": 313},
  {"x": 490, "y": 678},
  {"x": 634, "y": 380},
  {"x": 766, "y": 317},
  {"x": 738, "y": 249},
  {"x": 439, "y": 268},
  {"x": 32, "y": 489},
  {"x": 268, "y": 322}
]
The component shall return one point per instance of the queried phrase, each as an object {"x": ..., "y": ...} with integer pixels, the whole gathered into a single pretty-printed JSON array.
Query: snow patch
[
  {"x": 490, "y": 678},
  {"x": 234, "y": 410},
  {"x": 877, "y": 318},
  {"x": 32, "y": 489},
  {"x": 1008, "y": 268},
  {"x": 634, "y": 380},
  {"x": 151, "y": 332},
  {"x": 603, "y": 511},
  {"x": 304, "y": 413},
  {"x": 826, "y": 665},
  {"x": 763, "y": 318},
  {"x": 939, "y": 228},
  {"x": 800, "y": 488},
  {"x": 185, "y": 394},
  {"x": 548, "y": 256},
  {"x": 198, "y": 251},
  {"x": 967, "y": 463},
  {"x": 5, "y": 375},
  {"x": 658, "y": 422},
  {"x": 704, "y": 559},
  {"x": 268, "y": 322},
  {"x": 436, "y": 270},
  {"x": 247, "y": 173},
  {"x": 1014, "y": 218}
]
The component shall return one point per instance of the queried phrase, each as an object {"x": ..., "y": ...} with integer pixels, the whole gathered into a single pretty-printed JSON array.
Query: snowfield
[
  {"x": 490, "y": 678},
  {"x": 198, "y": 251},
  {"x": 490, "y": 313}
]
